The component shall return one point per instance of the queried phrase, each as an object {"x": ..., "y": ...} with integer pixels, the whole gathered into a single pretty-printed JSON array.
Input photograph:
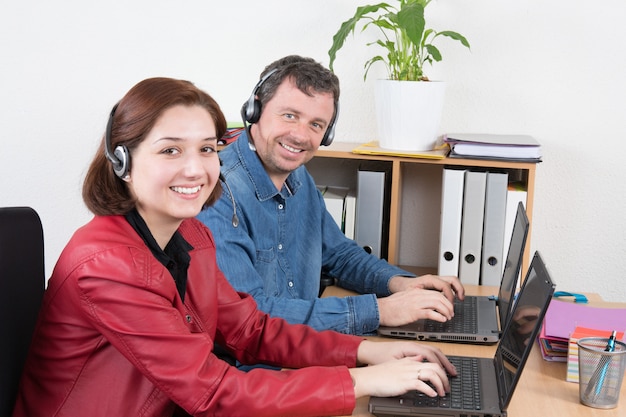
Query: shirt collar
[
  {"x": 175, "y": 257},
  {"x": 264, "y": 187}
]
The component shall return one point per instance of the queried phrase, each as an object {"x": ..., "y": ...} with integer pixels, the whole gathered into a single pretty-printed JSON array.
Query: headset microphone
[{"x": 235, "y": 220}]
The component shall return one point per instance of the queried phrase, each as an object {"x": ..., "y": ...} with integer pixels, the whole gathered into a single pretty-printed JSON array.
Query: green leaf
[
  {"x": 434, "y": 52},
  {"x": 348, "y": 26},
  {"x": 455, "y": 36},
  {"x": 411, "y": 19},
  {"x": 369, "y": 63}
]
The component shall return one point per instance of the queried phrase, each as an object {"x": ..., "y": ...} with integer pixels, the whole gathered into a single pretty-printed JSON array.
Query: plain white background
[{"x": 554, "y": 70}]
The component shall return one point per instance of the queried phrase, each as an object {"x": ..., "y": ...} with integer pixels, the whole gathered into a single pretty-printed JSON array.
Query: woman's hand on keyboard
[
  {"x": 374, "y": 353},
  {"x": 399, "y": 376}
]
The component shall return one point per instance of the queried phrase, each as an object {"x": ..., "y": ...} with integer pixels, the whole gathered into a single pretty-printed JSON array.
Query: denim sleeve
[{"x": 236, "y": 255}]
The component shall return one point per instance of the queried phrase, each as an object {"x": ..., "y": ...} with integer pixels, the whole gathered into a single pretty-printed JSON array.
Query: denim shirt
[{"x": 283, "y": 241}]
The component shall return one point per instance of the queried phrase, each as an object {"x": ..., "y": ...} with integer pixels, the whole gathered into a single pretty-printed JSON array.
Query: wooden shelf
[{"x": 338, "y": 158}]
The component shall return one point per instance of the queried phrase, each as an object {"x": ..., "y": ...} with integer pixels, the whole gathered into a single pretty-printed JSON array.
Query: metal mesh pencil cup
[{"x": 601, "y": 373}]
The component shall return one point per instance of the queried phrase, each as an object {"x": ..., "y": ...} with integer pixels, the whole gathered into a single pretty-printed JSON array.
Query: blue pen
[
  {"x": 597, "y": 379},
  {"x": 610, "y": 347}
]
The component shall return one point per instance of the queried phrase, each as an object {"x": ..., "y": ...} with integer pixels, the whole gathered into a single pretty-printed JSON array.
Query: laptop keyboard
[
  {"x": 465, "y": 319},
  {"x": 464, "y": 388}
]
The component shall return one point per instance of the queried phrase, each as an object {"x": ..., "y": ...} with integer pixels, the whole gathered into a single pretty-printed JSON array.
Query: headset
[
  {"x": 120, "y": 157},
  {"x": 251, "y": 111}
]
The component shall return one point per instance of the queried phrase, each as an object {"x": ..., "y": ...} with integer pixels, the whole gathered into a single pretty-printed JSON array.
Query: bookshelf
[{"x": 415, "y": 196}]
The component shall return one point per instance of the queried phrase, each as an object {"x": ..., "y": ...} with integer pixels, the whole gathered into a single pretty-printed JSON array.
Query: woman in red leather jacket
[{"x": 136, "y": 300}]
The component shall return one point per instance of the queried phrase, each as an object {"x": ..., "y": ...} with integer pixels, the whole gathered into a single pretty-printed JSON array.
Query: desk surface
[{"x": 542, "y": 389}]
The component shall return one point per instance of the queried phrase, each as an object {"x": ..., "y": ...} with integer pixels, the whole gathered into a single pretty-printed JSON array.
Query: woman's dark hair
[{"x": 104, "y": 192}]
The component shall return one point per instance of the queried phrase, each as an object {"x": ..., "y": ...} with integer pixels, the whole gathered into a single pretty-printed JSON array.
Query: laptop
[
  {"x": 477, "y": 319},
  {"x": 492, "y": 381}
]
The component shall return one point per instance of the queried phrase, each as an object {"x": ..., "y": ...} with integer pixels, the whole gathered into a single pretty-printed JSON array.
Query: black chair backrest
[{"x": 22, "y": 282}]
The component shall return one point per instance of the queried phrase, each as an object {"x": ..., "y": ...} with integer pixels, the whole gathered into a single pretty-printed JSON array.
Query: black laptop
[
  {"x": 484, "y": 386},
  {"x": 477, "y": 319}
]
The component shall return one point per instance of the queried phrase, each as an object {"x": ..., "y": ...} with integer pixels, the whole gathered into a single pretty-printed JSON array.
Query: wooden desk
[{"x": 542, "y": 389}]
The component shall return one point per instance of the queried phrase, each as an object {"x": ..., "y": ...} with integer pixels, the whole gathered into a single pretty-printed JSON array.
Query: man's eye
[{"x": 207, "y": 149}]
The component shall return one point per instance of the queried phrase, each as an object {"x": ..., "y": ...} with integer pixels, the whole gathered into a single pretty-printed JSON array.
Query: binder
[
  {"x": 453, "y": 181},
  {"x": 492, "y": 258},
  {"x": 372, "y": 209},
  {"x": 334, "y": 199},
  {"x": 472, "y": 226},
  {"x": 349, "y": 214},
  {"x": 494, "y": 146}
]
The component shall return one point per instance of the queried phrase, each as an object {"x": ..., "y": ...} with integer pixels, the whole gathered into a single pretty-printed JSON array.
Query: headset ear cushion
[
  {"x": 121, "y": 153},
  {"x": 329, "y": 136},
  {"x": 330, "y": 132},
  {"x": 251, "y": 110}
]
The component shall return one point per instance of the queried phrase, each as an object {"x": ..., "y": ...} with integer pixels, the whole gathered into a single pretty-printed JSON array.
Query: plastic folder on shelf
[
  {"x": 563, "y": 317},
  {"x": 373, "y": 148}
]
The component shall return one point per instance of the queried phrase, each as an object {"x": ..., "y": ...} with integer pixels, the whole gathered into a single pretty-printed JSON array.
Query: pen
[
  {"x": 610, "y": 347},
  {"x": 597, "y": 379}
]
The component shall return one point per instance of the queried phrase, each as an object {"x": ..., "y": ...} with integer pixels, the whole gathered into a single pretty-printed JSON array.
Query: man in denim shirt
[{"x": 277, "y": 238}]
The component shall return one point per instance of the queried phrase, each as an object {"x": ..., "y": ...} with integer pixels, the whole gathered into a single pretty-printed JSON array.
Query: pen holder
[{"x": 600, "y": 372}]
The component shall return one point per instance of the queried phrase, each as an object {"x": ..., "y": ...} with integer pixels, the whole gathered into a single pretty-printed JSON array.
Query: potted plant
[{"x": 409, "y": 46}]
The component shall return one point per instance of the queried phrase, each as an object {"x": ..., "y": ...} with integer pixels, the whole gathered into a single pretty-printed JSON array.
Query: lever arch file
[
  {"x": 372, "y": 209},
  {"x": 472, "y": 227},
  {"x": 493, "y": 229},
  {"x": 450, "y": 228}
]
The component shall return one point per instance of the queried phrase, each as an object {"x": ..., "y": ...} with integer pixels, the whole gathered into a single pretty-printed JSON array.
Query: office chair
[{"x": 22, "y": 281}]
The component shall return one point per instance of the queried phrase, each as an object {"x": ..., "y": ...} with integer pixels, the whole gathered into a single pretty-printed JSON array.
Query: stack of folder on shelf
[
  {"x": 523, "y": 148},
  {"x": 563, "y": 318},
  {"x": 478, "y": 210}
]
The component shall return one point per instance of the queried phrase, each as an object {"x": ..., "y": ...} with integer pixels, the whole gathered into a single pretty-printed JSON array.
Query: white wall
[{"x": 554, "y": 70}]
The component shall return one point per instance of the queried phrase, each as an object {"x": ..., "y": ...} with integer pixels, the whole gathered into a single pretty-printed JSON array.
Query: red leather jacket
[{"x": 115, "y": 339}]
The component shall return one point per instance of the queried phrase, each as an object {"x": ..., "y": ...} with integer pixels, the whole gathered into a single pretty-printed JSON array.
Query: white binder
[
  {"x": 450, "y": 223},
  {"x": 472, "y": 227},
  {"x": 492, "y": 259}
]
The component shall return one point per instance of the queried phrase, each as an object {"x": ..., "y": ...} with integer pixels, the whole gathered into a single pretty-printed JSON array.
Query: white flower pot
[{"x": 408, "y": 114}]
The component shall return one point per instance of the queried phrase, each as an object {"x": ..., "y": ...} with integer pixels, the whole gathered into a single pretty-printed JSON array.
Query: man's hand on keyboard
[
  {"x": 413, "y": 304},
  {"x": 449, "y": 286}
]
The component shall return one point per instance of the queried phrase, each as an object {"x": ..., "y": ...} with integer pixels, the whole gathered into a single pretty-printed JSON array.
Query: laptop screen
[
  {"x": 522, "y": 330},
  {"x": 513, "y": 264}
]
